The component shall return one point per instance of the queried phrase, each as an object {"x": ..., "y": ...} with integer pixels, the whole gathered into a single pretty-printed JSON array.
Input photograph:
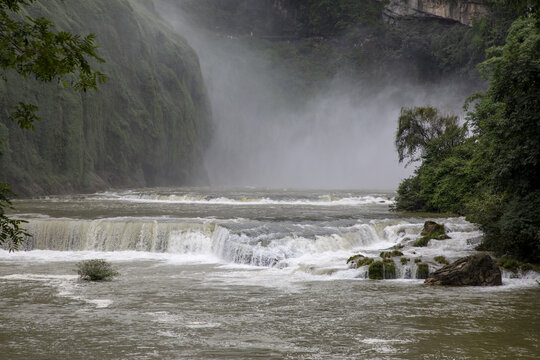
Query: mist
[{"x": 340, "y": 137}]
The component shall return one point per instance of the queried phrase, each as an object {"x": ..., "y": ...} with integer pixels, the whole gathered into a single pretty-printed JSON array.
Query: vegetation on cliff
[
  {"x": 316, "y": 40},
  {"x": 492, "y": 175},
  {"x": 29, "y": 46},
  {"x": 148, "y": 125}
]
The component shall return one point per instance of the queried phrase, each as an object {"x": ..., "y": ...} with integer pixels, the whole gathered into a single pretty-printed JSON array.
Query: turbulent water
[{"x": 242, "y": 274}]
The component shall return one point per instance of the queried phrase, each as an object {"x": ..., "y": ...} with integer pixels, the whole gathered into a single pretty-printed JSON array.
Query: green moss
[
  {"x": 432, "y": 230},
  {"x": 359, "y": 260},
  {"x": 423, "y": 241},
  {"x": 390, "y": 254},
  {"x": 380, "y": 270},
  {"x": 422, "y": 271},
  {"x": 404, "y": 260},
  {"x": 441, "y": 260},
  {"x": 417, "y": 260}
]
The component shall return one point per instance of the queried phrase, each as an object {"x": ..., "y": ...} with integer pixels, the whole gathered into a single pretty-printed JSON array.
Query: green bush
[{"x": 95, "y": 270}]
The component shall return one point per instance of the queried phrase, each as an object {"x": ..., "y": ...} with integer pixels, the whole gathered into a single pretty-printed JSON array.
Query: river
[{"x": 248, "y": 274}]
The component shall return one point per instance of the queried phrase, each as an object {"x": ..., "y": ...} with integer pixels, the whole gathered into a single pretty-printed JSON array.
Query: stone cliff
[{"x": 463, "y": 11}]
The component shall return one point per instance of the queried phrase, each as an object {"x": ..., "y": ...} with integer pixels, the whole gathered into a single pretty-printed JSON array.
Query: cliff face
[
  {"x": 146, "y": 126},
  {"x": 463, "y": 11}
]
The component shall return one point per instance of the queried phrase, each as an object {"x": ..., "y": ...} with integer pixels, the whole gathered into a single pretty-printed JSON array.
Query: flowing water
[{"x": 248, "y": 274}]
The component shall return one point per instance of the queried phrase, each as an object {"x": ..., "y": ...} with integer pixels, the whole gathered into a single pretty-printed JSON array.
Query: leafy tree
[
  {"x": 425, "y": 133},
  {"x": 506, "y": 121},
  {"x": 31, "y": 47}
]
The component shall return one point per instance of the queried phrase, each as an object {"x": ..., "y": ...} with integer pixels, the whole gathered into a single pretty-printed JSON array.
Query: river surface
[{"x": 248, "y": 274}]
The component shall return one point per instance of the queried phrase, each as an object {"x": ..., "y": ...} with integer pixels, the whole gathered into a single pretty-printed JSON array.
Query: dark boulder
[{"x": 475, "y": 270}]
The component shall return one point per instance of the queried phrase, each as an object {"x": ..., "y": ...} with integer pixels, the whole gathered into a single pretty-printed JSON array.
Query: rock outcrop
[
  {"x": 475, "y": 270},
  {"x": 431, "y": 230},
  {"x": 463, "y": 11}
]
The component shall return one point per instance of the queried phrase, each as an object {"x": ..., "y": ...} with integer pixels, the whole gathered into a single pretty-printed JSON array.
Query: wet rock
[
  {"x": 422, "y": 271},
  {"x": 475, "y": 270},
  {"x": 431, "y": 230},
  {"x": 380, "y": 270},
  {"x": 359, "y": 260}
]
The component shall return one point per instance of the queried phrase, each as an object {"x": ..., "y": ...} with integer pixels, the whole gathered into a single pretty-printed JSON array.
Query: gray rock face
[
  {"x": 475, "y": 270},
  {"x": 463, "y": 11}
]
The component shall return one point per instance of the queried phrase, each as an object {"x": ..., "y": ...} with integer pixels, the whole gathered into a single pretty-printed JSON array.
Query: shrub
[{"x": 95, "y": 270}]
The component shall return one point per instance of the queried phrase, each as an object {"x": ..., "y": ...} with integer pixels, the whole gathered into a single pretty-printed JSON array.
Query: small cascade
[{"x": 251, "y": 244}]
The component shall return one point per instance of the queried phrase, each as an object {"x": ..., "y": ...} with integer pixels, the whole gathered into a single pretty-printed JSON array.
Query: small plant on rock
[
  {"x": 441, "y": 260},
  {"x": 95, "y": 270}
]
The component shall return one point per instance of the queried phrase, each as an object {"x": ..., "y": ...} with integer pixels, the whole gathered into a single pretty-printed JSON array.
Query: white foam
[{"x": 323, "y": 200}]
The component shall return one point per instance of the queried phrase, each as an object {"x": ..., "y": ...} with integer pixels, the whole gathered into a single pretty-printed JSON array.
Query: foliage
[
  {"x": 31, "y": 47},
  {"x": 492, "y": 177},
  {"x": 11, "y": 233},
  {"x": 96, "y": 270},
  {"x": 425, "y": 133}
]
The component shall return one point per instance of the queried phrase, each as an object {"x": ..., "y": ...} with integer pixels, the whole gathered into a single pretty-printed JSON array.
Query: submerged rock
[{"x": 475, "y": 270}]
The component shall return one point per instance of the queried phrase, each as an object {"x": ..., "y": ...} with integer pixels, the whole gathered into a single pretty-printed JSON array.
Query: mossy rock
[
  {"x": 513, "y": 265},
  {"x": 422, "y": 242},
  {"x": 380, "y": 270},
  {"x": 359, "y": 260},
  {"x": 422, "y": 271},
  {"x": 432, "y": 230},
  {"x": 417, "y": 260},
  {"x": 441, "y": 260},
  {"x": 390, "y": 254},
  {"x": 404, "y": 260}
]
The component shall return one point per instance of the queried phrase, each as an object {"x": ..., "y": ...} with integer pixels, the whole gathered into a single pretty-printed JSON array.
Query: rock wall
[{"x": 463, "y": 11}]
